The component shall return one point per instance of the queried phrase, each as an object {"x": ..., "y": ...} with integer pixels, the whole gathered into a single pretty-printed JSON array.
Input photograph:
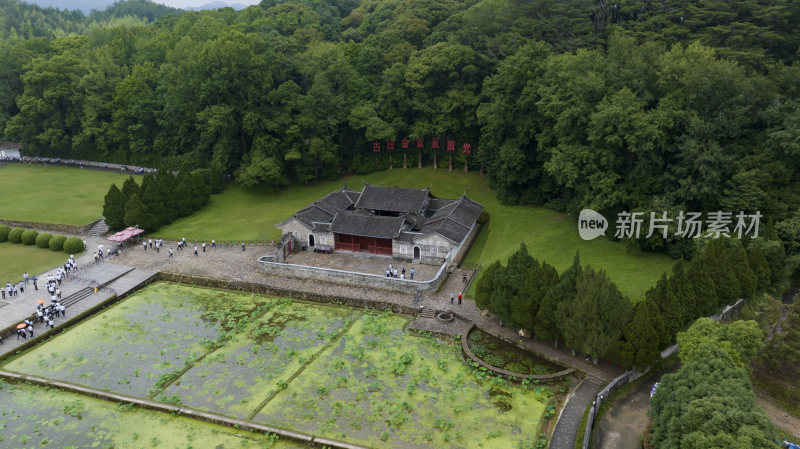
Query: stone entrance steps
[
  {"x": 99, "y": 229},
  {"x": 427, "y": 313},
  {"x": 77, "y": 296}
]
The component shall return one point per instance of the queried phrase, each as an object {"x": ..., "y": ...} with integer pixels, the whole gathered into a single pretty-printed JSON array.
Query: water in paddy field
[
  {"x": 49, "y": 418},
  {"x": 340, "y": 372}
]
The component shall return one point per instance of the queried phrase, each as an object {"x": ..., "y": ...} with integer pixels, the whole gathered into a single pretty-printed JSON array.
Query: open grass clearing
[
  {"x": 51, "y": 194},
  {"x": 249, "y": 214},
  {"x": 50, "y": 418},
  {"x": 16, "y": 259},
  {"x": 335, "y": 371}
]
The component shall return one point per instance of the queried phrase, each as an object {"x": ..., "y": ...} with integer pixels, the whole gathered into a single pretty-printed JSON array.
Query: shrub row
[{"x": 70, "y": 245}]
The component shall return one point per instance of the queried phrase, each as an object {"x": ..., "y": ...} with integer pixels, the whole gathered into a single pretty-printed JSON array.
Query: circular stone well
[{"x": 445, "y": 316}]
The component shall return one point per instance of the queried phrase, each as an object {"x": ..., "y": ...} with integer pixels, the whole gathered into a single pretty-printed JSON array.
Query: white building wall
[{"x": 298, "y": 229}]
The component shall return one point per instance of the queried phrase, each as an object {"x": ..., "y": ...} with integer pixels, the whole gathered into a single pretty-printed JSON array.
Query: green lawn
[
  {"x": 17, "y": 259},
  {"x": 48, "y": 194},
  {"x": 250, "y": 214}
]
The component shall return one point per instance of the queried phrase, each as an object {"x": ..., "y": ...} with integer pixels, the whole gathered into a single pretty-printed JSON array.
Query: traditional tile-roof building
[{"x": 404, "y": 223}]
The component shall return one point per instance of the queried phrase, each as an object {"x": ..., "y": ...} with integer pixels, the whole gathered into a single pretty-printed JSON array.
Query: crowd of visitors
[
  {"x": 9, "y": 159},
  {"x": 391, "y": 272},
  {"x": 79, "y": 163},
  {"x": 44, "y": 314}
]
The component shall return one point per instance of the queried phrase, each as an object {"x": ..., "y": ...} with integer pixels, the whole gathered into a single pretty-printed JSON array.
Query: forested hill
[
  {"x": 25, "y": 20},
  {"x": 671, "y": 105}
]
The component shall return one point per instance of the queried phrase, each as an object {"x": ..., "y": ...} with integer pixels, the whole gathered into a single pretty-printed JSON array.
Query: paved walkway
[
  {"x": 571, "y": 415},
  {"x": 17, "y": 308}
]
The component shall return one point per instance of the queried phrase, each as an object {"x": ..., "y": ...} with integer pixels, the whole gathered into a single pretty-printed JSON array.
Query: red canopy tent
[{"x": 125, "y": 234}]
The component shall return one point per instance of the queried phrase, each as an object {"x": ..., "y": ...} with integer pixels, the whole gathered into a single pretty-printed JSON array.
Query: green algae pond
[
  {"x": 344, "y": 373},
  {"x": 49, "y": 418}
]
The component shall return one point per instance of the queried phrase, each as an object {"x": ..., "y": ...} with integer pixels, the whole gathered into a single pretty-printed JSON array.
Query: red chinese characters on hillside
[{"x": 376, "y": 147}]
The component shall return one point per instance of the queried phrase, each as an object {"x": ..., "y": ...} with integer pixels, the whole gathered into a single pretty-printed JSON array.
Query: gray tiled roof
[
  {"x": 366, "y": 225},
  {"x": 453, "y": 221},
  {"x": 350, "y": 212},
  {"x": 324, "y": 209},
  {"x": 395, "y": 199}
]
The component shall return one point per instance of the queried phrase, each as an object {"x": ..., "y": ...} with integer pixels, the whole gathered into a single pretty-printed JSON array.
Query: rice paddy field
[{"x": 334, "y": 371}]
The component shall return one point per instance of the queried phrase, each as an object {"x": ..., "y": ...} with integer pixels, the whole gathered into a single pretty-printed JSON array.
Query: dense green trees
[
  {"x": 675, "y": 106},
  {"x": 582, "y": 306},
  {"x": 159, "y": 200},
  {"x": 710, "y": 402},
  {"x": 586, "y": 311}
]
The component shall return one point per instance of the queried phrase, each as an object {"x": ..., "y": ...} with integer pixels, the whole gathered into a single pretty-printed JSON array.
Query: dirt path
[
  {"x": 623, "y": 425},
  {"x": 781, "y": 419}
]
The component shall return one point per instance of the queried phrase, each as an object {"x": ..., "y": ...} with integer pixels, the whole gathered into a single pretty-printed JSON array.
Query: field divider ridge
[{"x": 300, "y": 370}]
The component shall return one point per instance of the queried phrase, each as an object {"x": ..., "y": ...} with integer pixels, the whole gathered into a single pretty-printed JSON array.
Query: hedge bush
[
  {"x": 43, "y": 240},
  {"x": 4, "y": 230},
  {"x": 73, "y": 245},
  {"x": 15, "y": 236},
  {"x": 57, "y": 243},
  {"x": 29, "y": 237}
]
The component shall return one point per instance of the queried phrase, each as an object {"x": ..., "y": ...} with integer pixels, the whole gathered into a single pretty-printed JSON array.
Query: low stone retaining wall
[
  {"x": 351, "y": 277},
  {"x": 52, "y": 227},
  {"x": 251, "y": 287},
  {"x": 510, "y": 374},
  {"x": 179, "y": 410}
]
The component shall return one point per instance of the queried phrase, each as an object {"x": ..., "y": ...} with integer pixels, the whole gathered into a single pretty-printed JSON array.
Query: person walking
[
  {"x": 412, "y": 273},
  {"x": 213, "y": 243},
  {"x": 170, "y": 254},
  {"x": 242, "y": 246},
  {"x": 452, "y": 297},
  {"x": 465, "y": 277},
  {"x": 204, "y": 246},
  {"x": 30, "y": 330},
  {"x": 35, "y": 286},
  {"x": 144, "y": 245},
  {"x": 58, "y": 293},
  {"x": 25, "y": 275},
  {"x": 195, "y": 250},
  {"x": 459, "y": 299},
  {"x": 3, "y": 292}
]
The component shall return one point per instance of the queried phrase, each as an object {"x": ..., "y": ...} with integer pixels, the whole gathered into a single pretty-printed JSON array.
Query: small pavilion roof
[{"x": 125, "y": 234}]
